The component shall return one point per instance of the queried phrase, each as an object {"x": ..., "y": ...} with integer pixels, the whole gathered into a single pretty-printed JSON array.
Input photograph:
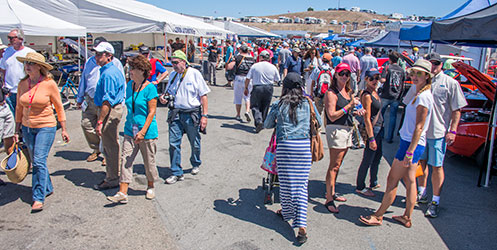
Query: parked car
[{"x": 473, "y": 127}]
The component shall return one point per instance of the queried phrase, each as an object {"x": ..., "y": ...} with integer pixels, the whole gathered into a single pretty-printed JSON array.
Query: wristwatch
[{"x": 204, "y": 115}]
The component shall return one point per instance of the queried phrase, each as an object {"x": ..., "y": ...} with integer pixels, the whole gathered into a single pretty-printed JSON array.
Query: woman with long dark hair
[
  {"x": 412, "y": 145},
  {"x": 311, "y": 61},
  {"x": 291, "y": 117}
]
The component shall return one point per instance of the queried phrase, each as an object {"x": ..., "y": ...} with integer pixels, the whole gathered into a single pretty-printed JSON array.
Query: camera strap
[
  {"x": 133, "y": 96},
  {"x": 180, "y": 81}
]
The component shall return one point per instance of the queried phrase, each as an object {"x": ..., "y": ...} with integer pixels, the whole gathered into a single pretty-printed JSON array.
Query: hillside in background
[{"x": 340, "y": 16}]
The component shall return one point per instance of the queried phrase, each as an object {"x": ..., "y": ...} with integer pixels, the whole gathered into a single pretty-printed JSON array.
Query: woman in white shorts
[
  {"x": 243, "y": 62},
  {"x": 339, "y": 104}
]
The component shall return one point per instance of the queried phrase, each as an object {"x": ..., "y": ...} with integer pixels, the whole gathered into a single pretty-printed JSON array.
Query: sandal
[
  {"x": 301, "y": 238},
  {"x": 36, "y": 207},
  {"x": 403, "y": 220},
  {"x": 371, "y": 220},
  {"x": 331, "y": 204},
  {"x": 366, "y": 192},
  {"x": 340, "y": 198}
]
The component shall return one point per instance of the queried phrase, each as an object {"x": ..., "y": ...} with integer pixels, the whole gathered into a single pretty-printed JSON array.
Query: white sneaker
[
  {"x": 118, "y": 198},
  {"x": 247, "y": 116},
  {"x": 195, "y": 170},
  {"x": 150, "y": 193}
]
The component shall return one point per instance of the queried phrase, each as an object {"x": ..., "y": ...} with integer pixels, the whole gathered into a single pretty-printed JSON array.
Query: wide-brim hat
[
  {"x": 35, "y": 58},
  {"x": 421, "y": 65}
]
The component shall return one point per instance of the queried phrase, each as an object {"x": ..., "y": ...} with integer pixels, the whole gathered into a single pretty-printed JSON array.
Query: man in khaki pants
[
  {"x": 86, "y": 93},
  {"x": 109, "y": 96}
]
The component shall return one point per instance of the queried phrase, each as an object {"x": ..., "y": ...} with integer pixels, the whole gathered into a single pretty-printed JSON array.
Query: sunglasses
[
  {"x": 174, "y": 62},
  {"x": 376, "y": 78},
  {"x": 29, "y": 63},
  {"x": 417, "y": 73},
  {"x": 436, "y": 63},
  {"x": 344, "y": 73},
  {"x": 11, "y": 37}
]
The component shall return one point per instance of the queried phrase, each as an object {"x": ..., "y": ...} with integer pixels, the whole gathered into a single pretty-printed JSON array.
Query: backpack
[
  {"x": 322, "y": 83},
  {"x": 152, "y": 71}
]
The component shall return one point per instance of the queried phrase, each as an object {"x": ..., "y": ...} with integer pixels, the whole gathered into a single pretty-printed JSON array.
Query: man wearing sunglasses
[
  {"x": 109, "y": 96},
  {"x": 11, "y": 68},
  {"x": 449, "y": 99},
  {"x": 85, "y": 101}
]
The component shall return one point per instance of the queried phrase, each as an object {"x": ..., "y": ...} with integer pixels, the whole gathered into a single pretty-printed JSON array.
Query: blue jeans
[
  {"x": 39, "y": 142},
  {"x": 183, "y": 123},
  {"x": 12, "y": 101},
  {"x": 394, "y": 106}
]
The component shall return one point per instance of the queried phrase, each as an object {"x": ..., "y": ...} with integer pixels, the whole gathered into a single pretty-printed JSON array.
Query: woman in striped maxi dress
[{"x": 291, "y": 118}]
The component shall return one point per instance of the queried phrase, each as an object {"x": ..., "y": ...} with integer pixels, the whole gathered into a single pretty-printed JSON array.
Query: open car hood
[{"x": 482, "y": 81}]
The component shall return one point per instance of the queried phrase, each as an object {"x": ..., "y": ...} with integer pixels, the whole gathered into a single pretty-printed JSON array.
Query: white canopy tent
[
  {"x": 15, "y": 14},
  {"x": 125, "y": 16},
  {"x": 243, "y": 30}
]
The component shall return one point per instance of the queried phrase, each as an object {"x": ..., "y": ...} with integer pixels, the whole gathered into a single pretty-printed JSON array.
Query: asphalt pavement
[{"x": 222, "y": 207}]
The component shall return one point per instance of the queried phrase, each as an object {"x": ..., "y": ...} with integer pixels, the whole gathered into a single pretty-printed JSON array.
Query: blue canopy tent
[
  {"x": 422, "y": 32},
  {"x": 356, "y": 43},
  {"x": 391, "y": 39},
  {"x": 335, "y": 37}
]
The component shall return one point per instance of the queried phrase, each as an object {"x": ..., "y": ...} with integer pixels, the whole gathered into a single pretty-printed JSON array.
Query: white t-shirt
[
  {"x": 14, "y": 70},
  {"x": 424, "y": 99},
  {"x": 263, "y": 73},
  {"x": 190, "y": 90}
]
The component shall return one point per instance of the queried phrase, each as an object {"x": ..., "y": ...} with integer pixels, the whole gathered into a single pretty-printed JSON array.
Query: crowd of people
[{"x": 342, "y": 85}]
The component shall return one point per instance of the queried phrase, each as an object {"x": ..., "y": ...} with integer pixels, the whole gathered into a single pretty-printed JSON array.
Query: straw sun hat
[
  {"x": 35, "y": 58},
  {"x": 421, "y": 65}
]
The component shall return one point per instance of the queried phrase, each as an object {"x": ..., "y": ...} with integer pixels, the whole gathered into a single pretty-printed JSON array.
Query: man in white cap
[
  {"x": 186, "y": 97},
  {"x": 263, "y": 75},
  {"x": 11, "y": 68},
  {"x": 86, "y": 93},
  {"x": 109, "y": 96},
  {"x": 282, "y": 57}
]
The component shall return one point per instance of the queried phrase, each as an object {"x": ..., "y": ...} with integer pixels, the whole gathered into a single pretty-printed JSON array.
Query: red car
[{"x": 473, "y": 127}]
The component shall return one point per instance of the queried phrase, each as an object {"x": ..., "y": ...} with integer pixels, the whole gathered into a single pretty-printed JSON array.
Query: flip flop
[
  {"x": 38, "y": 208},
  {"x": 332, "y": 204},
  {"x": 371, "y": 220},
  {"x": 403, "y": 220},
  {"x": 339, "y": 198}
]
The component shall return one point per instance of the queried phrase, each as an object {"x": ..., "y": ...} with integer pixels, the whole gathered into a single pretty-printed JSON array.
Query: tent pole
[
  {"x": 429, "y": 47},
  {"x": 201, "y": 49},
  {"x": 79, "y": 54},
  {"x": 491, "y": 149},
  {"x": 165, "y": 47},
  {"x": 86, "y": 47},
  {"x": 186, "y": 46}
]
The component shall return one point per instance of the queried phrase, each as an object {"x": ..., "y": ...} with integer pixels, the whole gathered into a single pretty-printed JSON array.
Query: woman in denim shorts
[{"x": 411, "y": 147}]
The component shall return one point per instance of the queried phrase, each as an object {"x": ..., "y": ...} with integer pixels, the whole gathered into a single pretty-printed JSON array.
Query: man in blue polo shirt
[
  {"x": 293, "y": 63},
  {"x": 86, "y": 93},
  {"x": 109, "y": 96}
]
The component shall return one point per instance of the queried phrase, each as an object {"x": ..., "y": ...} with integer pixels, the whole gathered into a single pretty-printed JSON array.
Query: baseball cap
[
  {"x": 180, "y": 55},
  {"x": 341, "y": 67},
  {"x": 144, "y": 49},
  {"x": 293, "y": 80},
  {"x": 327, "y": 57},
  {"x": 285, "y": 44},
  {"x": 104, "y": 47},
  {"x": 265, "y": 54},
  {"x": 98, "y": 40},
  {"x": 434, "y": 57},
  {"x": 372, "y": 72},
  {"x": 296, "y": 50}
]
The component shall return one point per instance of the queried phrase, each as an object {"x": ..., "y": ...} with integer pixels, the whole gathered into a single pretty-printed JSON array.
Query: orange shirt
[{"x": 39, "y": 113}]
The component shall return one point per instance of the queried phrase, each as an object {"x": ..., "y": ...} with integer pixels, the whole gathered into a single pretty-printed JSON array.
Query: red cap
[
  {"x": 451, "y": 54},
  {"x": 342, "y": 66}
]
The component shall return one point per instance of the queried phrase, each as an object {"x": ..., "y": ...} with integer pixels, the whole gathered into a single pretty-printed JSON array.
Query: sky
[{"x": 236, "y": 8}]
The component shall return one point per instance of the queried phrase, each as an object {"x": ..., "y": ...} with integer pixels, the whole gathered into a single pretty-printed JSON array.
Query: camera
[{"x": 169, "y": 100}]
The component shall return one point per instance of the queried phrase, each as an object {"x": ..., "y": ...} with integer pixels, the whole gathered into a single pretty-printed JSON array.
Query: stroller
[{"x": 269, "y": 165}]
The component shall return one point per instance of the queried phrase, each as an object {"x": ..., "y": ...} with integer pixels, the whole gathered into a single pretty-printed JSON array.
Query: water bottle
[{"x": 358, "y": 106}]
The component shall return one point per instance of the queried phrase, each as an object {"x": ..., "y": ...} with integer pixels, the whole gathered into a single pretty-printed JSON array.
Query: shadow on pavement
[
  {"x": 239, "y": 126},
  {"x": 72, "y": 155},
  {"x": 250, "y": 207},
  {"x": 221, "y": 117},
  {"x": 11, "y": 192},
  {"x": 82, "y": 177}
]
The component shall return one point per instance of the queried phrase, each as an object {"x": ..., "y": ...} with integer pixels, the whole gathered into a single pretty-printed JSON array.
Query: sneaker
[
  {"x": 247, "y": 116},
  {"x": 238, "y": 118},
  {"x": 150, "y": 194},
  {"x": 173, "y": 179},
  {"x": 118, "y": 198},
  {"x": 259, "y": 127},
  {"x": 423, "y": 199},
  {"x": 195, "y": 170},
  {"x": 432, "y": 210},
  {"x": 104, "y": 186}
]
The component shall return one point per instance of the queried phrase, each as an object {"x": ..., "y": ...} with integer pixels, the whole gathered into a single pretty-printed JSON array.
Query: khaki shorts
[{"x": 339, "y": 136}]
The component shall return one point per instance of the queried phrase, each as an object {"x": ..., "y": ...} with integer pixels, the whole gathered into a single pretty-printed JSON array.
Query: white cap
[
  {"x": 285, "y": 44},
  {"x": 104, "y": 47}
]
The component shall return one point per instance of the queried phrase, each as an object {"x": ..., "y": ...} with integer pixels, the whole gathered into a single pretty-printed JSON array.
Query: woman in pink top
[{"x": 36, "y": 94}]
